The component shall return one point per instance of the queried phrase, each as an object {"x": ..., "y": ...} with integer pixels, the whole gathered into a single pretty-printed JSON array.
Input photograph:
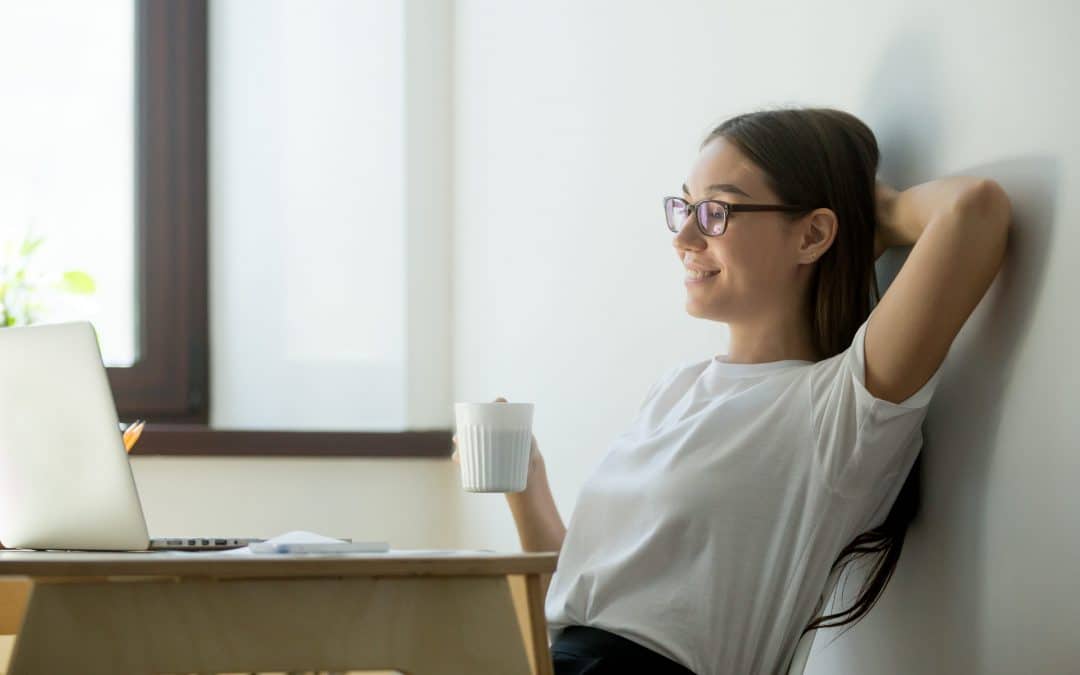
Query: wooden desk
[{"x": 141, "y": 613}]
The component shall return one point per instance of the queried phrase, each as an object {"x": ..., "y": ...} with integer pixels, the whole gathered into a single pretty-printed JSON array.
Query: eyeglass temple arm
[{"x": 767, "y": 207}]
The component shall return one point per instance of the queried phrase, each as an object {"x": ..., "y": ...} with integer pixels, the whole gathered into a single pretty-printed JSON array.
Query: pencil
[{"x": 132, "y": 433}]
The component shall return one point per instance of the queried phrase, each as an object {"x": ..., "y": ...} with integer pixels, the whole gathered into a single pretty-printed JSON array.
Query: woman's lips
[{"x": 693, "y": 282}]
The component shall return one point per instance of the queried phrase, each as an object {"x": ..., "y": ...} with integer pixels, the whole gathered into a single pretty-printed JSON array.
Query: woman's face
[{"x": 757, "y": 256}]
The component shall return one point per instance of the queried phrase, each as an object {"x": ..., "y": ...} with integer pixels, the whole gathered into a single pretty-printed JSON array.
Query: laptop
[{"x": 65, "y": 479}]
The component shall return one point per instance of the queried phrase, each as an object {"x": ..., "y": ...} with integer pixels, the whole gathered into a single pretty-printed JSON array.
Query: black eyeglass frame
[{"x": 729, "y": 208}]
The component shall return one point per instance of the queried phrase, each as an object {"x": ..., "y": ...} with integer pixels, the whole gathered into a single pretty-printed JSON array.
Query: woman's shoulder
[
  {"x": 681, "y": 371},
  {"x": 846, "y": 360},
  {"x": 686, "y": 367}
]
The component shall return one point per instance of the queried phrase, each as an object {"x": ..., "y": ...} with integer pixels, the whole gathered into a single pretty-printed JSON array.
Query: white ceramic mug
[{"x": 494, "y": 441}]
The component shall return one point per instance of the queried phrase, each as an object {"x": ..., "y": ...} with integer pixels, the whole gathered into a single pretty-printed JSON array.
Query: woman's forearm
[
  {"x": 904, "y": 215},
  {"x": 539, "y": 526}
]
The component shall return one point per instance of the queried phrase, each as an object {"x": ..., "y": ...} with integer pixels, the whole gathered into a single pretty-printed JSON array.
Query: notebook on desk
[{"x": 65, "y": 479}]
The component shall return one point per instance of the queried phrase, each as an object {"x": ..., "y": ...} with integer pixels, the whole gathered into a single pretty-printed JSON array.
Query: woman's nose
[{"x": 689, "y": 236}]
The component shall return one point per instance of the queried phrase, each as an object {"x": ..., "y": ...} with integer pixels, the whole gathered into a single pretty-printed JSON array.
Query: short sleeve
[{"x": 861, "y": 439}]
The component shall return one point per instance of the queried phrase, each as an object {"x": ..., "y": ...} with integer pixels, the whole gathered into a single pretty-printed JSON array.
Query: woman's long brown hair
[{"x": 828, "y": 158}]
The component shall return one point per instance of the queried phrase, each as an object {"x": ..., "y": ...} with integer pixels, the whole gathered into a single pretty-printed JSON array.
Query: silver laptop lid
[{"x": 65, "y": 480}]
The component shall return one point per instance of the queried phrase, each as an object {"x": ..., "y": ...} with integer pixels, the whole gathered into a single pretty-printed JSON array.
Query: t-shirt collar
[{"x": 718, "y": 365}]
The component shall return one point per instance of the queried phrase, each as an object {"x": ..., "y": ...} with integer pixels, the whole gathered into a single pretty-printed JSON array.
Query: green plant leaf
[
  {"x": 77, "y": 281},
  {"x": 29, "y": 245}
]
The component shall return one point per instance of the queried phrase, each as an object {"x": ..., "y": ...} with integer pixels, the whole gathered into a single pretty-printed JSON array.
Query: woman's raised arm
[{"x": 959, "y": 227}]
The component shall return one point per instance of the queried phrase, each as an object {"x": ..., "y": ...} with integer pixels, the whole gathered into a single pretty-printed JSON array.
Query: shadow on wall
[
  {"x": 943, "y": 550},
  {"x": 965, "y": 423},
  {"x": 902, "y": 105},
  {"x": 934, "y": 625},
  {"x": 944, "y": 557}
]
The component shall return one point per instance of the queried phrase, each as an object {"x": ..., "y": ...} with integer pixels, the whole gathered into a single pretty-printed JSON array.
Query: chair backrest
[{"x": 802, "y": 650}]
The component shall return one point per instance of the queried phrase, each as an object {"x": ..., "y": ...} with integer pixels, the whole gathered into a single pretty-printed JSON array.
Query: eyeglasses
[{"x": 712, "y": 214}]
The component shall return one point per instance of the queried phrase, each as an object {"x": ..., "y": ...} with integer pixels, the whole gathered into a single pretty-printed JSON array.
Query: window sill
[{"x": 181, "y": 440}]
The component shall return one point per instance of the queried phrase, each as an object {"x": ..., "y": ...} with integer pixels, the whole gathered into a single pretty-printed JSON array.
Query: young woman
[{"x": 702, "y": 541}]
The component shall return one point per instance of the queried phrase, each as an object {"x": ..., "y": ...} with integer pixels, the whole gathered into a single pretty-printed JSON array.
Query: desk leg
[
  {"x": 529, "y": 605},
  {"x": 541, "y": 652},
  {"x": 417, "y": 625},
  {"x": 14, "y": 592}
]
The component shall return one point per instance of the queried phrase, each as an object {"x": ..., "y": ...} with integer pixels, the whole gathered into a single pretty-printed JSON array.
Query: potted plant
[{"x": 25, "y": 290}]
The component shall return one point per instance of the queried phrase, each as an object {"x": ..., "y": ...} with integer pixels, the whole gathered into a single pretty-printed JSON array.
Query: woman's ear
[{"x": 818, "y": 232}]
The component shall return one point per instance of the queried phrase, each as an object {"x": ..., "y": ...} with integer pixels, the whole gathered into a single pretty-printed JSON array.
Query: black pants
[{"x": 584, "y": 650}]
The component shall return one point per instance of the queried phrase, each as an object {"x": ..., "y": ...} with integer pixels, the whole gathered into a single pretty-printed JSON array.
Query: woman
[{"x": 702, "y": 541}]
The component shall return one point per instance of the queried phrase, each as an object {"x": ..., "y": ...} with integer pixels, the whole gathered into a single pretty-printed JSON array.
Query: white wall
[
  {"x": 327, "y": 311},
  {"x": 573, "y": 119},
  {"x": 402, "y": 501}
]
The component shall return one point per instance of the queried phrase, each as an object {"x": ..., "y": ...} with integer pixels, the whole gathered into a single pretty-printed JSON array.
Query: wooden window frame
[{"x": 169, "y": 385}]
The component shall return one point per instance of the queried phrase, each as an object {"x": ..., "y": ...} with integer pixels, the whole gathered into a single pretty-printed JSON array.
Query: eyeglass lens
[{"x": 711, "y": 215}]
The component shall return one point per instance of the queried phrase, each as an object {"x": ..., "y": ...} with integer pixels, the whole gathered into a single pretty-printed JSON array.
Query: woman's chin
[{"x": 698, "y": 309}]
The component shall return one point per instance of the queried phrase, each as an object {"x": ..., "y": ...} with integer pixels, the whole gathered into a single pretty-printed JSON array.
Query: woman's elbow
[{"x": 986, "y": 203}]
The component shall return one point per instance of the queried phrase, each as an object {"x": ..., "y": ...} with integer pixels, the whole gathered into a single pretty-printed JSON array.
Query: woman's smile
[{"x": 692, "y": 278}]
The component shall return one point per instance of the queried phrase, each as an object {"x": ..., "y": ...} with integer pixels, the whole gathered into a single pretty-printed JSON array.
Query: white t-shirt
[{"x": 707, "y": 530}]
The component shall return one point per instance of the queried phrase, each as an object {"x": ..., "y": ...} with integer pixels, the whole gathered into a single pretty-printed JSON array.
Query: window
[
  {"x": 308, "y": 217},
  {"x": 113, "y": 136},
  {"x": 67, "y": 167},
  {"x": 163, "y": 374}
]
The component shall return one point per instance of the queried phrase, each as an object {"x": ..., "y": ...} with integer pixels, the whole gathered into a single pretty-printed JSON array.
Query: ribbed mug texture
[{"x": 494, "y": 460}]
